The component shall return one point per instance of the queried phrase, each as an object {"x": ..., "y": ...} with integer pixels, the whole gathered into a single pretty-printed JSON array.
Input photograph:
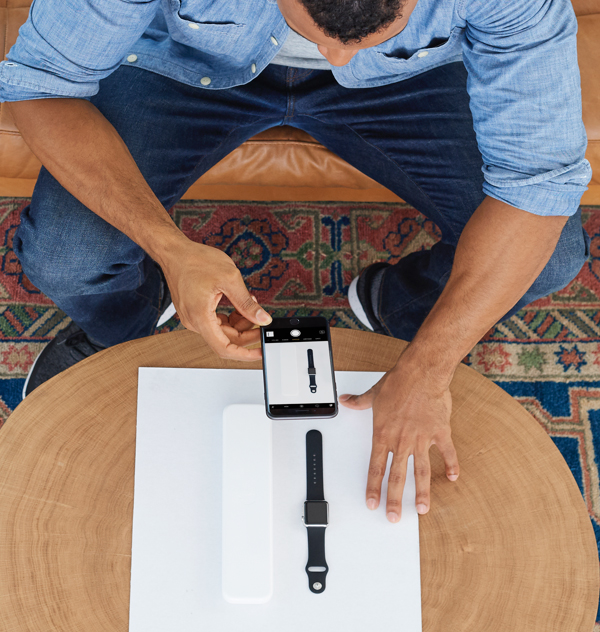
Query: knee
[
  {"x": 36, "y": 254},
  {"x": 570, "y": 254},
  {"x": 65, "y": 259}
]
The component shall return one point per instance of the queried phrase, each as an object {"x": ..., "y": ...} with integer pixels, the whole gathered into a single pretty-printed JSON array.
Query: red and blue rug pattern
[{"x": 298, "y": 258}]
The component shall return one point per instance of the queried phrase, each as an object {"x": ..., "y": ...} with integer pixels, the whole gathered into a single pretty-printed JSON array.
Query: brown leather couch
[{"x": 287, "y": 164}]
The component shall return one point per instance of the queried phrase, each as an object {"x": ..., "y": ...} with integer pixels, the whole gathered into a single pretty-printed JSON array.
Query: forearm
[
  {"x": 84, "y": 152},
  {"x": 501, "y": 252}
]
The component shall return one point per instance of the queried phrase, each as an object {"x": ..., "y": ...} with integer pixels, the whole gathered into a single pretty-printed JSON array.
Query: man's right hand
[
  {"x": 85, "y": 153},
  {"x": 198, "y": 277}
]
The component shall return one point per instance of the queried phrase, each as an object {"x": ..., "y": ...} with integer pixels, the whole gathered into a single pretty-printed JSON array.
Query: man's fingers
[
  {"x": 357, "y": 402},
  {"x": 242, "y": 338},
  {"x": 422, "y": 480},
  {"x": 361, "y": 402},
  {"x": 377, "y": 465},
  {"x": 237, "y": 321},
  {"x": 396, "y": 480},
  {"x": 448, "y": 452},
  {"x": 213, "y": 332},
  {"x": 244, "y": 303}
]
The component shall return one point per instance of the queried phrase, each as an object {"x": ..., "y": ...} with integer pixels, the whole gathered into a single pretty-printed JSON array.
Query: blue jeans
[{"x": 415, "y": 137}]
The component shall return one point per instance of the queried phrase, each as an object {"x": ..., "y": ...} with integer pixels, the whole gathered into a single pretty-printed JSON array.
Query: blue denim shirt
[{"x": 520, "y": 56}]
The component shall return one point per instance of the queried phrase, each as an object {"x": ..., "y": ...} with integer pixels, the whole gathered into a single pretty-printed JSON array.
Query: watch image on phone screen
[{"x": 298, "y": 369}]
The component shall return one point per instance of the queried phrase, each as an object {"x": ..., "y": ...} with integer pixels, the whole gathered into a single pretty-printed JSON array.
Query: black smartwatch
[
  {"x": 316, "y": 512},
  {"x": 312, "y": 372}
]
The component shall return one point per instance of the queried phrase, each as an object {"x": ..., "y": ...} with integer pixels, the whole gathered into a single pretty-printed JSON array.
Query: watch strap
[
  {"x": 312, "y": 372},
  {"x": 316, "y": 558},
  {"x": 314, "y": 465}
]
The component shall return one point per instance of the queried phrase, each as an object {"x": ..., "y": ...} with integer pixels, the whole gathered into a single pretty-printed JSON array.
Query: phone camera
[{"x": 294, "y": 321}]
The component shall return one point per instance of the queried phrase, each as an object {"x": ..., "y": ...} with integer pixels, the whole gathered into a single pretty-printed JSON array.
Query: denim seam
[
  {"x": 161, "y": 295},
  {"x": 405, "y": 305},
  {"x": 194, "y": 175},
  {"x": 231, "y": 131},
  {"x": 234, "y": 129},
  {"x": 298, "y": 77},
  {"x": 390, "y": 160},
  {"x": 290, "y": 98},
  {"x": 144, "y": 297}
]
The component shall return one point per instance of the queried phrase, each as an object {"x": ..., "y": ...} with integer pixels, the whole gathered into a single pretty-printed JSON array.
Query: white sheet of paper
[{"x": 374, "y": 576}]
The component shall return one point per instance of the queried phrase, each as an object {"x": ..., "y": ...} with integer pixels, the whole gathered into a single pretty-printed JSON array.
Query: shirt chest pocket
[
  {"x": 197, "y": 24},
  {"x": 436, "y": 53}
]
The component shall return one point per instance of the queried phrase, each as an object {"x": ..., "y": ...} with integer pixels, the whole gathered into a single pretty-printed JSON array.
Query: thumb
[
  {"x": 245, "y": 304},
  {"x": 358, "y": 402}
]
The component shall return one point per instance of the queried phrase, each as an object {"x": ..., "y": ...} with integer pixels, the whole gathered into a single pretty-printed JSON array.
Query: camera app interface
[{"x": 298, "y": 368}]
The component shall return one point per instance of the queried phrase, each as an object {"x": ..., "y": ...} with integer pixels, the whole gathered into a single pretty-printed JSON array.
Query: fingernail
[
  {"x": 344, "y": 398},
  {"x": 262, "y": 317},
  {"x": 255, "y": 299},
  {"x": 452, "y": 477},
  {"x": 393, "y": 517},
  {"x": 421, "y": 508},
  {"x": 372, "y": 503}
]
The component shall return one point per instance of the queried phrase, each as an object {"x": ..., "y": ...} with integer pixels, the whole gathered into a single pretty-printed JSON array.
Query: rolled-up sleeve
[
  {"x": 67, "y": 46},
  {"x": 524, "y": 87}
]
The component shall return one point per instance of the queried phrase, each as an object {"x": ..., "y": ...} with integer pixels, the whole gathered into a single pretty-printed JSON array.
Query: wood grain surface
[{"x": 508, "y": 547}]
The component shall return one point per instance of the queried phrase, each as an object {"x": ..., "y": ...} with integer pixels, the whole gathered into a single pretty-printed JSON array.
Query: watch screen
[
  {"x": 298, "y": 368},
  {"x": 315, "y": 512}
]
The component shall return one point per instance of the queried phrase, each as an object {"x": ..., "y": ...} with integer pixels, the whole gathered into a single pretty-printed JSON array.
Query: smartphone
[{"x": 298, "y": 369}]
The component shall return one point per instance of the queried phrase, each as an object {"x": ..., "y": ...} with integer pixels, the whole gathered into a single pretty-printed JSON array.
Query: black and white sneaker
[
  {"x": 71, "y": 345},
  {"x": 362, "y": 297},
  {"x": 167, "y": 314},
  {"x": 68, "y": 347}
]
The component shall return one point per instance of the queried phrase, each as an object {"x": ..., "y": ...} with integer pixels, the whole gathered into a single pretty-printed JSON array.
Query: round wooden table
[{"x": 508, "y": 547}]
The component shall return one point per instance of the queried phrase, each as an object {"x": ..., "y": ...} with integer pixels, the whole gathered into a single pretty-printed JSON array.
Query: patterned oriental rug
[{"x": 299, "y": 258}]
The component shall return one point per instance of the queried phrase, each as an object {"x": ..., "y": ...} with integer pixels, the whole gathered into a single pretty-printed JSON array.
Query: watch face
[{"x": 315, "y": 512}]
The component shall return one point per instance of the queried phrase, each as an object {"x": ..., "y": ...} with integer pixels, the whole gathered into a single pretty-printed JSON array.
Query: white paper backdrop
[{"x": 374, "y": 577}]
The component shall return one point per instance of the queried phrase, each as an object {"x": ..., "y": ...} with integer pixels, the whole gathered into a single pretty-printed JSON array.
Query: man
[{"x": 469, "y": 110}]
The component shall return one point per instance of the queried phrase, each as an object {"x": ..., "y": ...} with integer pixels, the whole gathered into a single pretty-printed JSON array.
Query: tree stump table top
[{"x": 508, "y": 547}]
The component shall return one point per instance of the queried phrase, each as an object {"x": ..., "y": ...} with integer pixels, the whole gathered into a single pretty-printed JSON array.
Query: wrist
[
  {"x": 168, "y": 247},
  {"x": 427, "y": 365}
]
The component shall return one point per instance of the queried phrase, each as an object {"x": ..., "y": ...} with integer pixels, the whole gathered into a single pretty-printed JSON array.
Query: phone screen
[{"x": 299, "y": 378}]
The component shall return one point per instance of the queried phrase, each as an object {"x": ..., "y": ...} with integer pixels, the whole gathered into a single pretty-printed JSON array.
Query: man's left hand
[{"x": 410, "y": 414}]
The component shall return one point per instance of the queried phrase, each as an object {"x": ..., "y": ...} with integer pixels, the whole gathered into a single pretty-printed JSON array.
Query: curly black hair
[{"x": 350, "y": 21}]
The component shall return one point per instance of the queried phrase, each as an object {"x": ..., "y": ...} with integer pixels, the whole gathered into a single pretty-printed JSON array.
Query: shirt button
[
  {"x": 423, "y": 53},
  {"x": 274, "y": 41},
  {"x": 193, "y": 25},
  {"x": 205, "y": 81},
  {"x": 253, "y": 68},
  {"x": 131, "y": 58}
]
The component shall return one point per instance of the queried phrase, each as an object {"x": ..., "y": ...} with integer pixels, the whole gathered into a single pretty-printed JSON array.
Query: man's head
[
  {"x": 343, "y": 27},
  {"x": 351, "y": 21}
]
